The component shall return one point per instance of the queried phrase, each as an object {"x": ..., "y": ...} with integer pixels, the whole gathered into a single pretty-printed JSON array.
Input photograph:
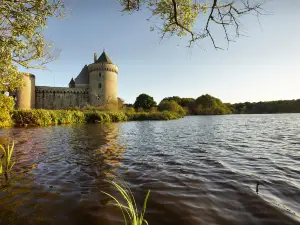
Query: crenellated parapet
[
  {"x": 60, "y": 97},
  {"x": 45, "y": 89},
  {"x": 103, "y": 67}
]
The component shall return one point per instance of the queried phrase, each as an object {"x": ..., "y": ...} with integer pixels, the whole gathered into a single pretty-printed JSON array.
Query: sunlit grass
[
  {"x": 129, "y": 210},
  {"x": 5, "y": 161}
]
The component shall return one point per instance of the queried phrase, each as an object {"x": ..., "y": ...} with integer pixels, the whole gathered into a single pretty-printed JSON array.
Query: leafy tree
[
  {"x": 171, "y": 106},
  {"x": 6, "y": 105},
  {"x": 177, "y": 99},
  {"x": 178, "y": 17},
  {"x": 21, "y": 40},
  {"x": 209, "y": 105},
  {"x": 144, "y": 101},
  {"x": 185, "y": 102},
  {"x": 281, "y": 106}
]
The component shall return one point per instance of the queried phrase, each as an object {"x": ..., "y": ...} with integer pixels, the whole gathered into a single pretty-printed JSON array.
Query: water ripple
[{"x": 200, "y": 169}]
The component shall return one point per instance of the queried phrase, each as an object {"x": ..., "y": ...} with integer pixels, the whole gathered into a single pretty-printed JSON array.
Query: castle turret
[
  {"x": 103, "y": 77},
  {"x": 26, "y": 94},
  {"x": 72, "y": 83}
]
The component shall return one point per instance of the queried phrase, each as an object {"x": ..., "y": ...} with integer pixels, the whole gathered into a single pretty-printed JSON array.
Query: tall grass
[
  {"x": 5, "y": 160},
  {"x": 44, "y": 117},
  {"x": 99, "y": 116},
  {"x": 165, "y": 115},
  {"x": 129, "y": 211}
]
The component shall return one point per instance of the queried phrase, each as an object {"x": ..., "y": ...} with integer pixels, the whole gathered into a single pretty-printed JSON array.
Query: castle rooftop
[{"x": 104, "y": 59}]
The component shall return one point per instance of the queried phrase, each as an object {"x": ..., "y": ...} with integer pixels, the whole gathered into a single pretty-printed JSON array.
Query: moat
[{"x": 200, "y": 170}]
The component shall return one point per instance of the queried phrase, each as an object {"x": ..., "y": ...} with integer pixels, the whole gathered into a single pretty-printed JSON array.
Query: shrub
[
  {"x": 209, "y": 105},
  {"x": 128, "y": 109},
  {"x": 153, "y": 109},
  {"x": 144, "y": 101},
  {"x": 42, "y": 117},
  {"x": 171, "y": 106},
  {"x": 165, "y": 115},
  {"x": 6, "y": 105},
  {"x": 37, "y": 117},
  {"x": 117, "y": 116},
  {"x": 98, "y": 116}
]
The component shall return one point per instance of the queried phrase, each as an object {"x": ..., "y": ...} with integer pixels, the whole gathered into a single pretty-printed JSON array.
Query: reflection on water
[
  {"x": 59, "y": 174},
  {"x": 201, "y": 170}
]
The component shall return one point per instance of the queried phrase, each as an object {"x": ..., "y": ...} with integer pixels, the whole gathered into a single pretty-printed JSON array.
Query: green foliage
[
  {"x": 6, "y": 105},
  {"x": 171, "y": 106},
  {"x": 176, "y": 99},
  {"x": 42, "y": 117},
  {"x": 130, "y": 210},
  {"x": 21, "y": 38},
  {"x": 165, "y": 115},
  {"x": 282, "y": 106},
  {"x": 128, "y": 109},
  {"x": 177, "y": 22},
  {"x": 208, "y": 105},
  {"x": 5, "y": 160},
  {"x": 185, "y": 103},
  {"x": 103, "y": 108},
  {"x": 145, "y": 102},
  {"x": 179, "y": 17},
  {"x": 98, "y": 116}
]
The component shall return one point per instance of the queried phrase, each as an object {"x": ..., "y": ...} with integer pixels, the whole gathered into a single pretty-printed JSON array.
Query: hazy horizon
[{"x": 261, "y": 67}]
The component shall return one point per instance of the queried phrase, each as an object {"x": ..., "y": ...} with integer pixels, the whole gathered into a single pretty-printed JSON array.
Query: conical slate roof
[
  {"x": 83, "y": 77},
  {"x": 104, "y": 59},
  {"x": 72, "y": 82}
]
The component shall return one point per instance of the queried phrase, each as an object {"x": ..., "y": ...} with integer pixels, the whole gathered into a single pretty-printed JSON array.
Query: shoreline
[{"x": 44, "y": 117}]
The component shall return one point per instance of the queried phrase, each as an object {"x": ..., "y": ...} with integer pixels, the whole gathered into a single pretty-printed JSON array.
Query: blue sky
[{"x": 263, "y": 66}]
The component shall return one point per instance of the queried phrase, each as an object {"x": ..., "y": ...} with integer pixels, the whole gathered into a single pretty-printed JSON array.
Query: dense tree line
[
  {"x": 281, "y": 106},
  {"x": 204, "y": 105},
  {"x": 209, "y": 105}
]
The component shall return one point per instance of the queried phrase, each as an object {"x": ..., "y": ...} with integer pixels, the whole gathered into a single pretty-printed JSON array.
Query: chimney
[{"x": 95, "y": 57}]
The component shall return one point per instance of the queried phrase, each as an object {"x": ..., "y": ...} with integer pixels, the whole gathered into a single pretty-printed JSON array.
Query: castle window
[
  {"x": 99, "y": 74},
  {"x": 99, "y": 85}
]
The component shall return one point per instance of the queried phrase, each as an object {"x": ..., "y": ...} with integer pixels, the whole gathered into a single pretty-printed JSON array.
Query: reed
[
  {"x": 165, "y": 115},
  {"x": 44, "y": 117},
  {"x": 5, "y": 161},
  {"x": 130, "y": 210}
]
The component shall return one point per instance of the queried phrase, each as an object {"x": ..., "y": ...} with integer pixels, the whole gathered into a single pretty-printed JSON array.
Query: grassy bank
[{"x": 42, "y": 117}]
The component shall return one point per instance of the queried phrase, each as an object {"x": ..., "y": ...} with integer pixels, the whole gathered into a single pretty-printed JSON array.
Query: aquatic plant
[
  {"x": 5, "y": 161},
  {"x": 129, "y": 211}
]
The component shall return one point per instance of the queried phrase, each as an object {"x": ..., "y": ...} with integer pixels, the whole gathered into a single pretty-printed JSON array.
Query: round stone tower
[
  {"x": 25, "y": 96},
  {"x": 103, "y": 81}
]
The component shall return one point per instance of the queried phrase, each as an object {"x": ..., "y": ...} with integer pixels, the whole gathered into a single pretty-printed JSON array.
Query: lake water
[{"x": 200, "y": 170}]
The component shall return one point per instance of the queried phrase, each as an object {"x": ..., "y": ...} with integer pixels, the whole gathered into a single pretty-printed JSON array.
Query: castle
[{"x": 96, "y": 84}]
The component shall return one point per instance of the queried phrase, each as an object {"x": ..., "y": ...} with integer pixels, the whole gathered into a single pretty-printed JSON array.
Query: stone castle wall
[{"x": 60, "y": 97}]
